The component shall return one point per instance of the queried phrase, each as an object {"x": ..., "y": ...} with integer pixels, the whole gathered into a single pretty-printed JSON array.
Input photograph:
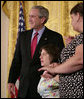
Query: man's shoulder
[
  {"x": 26, "y": 32},
  {"x": 52, "y": 32}
]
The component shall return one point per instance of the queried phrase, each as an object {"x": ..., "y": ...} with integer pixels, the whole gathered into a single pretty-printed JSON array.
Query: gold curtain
[{"x": 59, "y": 19}]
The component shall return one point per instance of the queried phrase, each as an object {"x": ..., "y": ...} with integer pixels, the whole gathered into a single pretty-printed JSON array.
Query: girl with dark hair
[{"x": 49, "y": 88}]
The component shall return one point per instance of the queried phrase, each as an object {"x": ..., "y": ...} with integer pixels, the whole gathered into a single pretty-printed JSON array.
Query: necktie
[{"x": 33, "y": 44}]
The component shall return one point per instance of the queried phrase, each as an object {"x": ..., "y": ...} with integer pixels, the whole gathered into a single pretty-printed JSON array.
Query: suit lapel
[{"x": 43, "y": 40}]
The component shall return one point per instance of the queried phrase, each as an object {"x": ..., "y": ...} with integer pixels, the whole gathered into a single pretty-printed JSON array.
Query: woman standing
[{"x": 71, "y": 66}]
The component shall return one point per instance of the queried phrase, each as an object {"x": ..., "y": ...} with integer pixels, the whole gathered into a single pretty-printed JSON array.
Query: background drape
[{"x": 59, "y": 19}]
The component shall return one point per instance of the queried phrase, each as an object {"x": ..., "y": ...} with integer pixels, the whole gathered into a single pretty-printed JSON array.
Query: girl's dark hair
[
  {"x": 53, "y": 52},
  {"x": 77, "y": 9}
]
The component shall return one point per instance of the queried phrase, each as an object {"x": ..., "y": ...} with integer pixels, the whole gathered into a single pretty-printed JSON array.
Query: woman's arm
[
  {"x": 74, "y": 63},
  {"x": 71, "y": 65}
]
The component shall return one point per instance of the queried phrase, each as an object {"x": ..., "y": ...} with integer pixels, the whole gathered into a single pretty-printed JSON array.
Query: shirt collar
[{"x": 40, "y": 31}]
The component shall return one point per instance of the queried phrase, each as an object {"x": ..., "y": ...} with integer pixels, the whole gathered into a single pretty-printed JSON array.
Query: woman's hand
[{"x": 50, "y": 70}]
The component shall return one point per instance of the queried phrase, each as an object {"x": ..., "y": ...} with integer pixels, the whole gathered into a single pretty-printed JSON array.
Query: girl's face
[{"x": 45, "y": 58}]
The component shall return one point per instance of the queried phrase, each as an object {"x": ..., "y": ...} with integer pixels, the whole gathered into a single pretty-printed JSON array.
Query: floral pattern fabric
[{"x": 48, "y": 88}]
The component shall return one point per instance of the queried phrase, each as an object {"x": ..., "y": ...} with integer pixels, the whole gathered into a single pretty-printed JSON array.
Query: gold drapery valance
[{"x": 59, "y": 17}]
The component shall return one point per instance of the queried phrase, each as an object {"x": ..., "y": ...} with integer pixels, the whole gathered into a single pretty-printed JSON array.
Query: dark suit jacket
[{"x": 26, "y": 67}]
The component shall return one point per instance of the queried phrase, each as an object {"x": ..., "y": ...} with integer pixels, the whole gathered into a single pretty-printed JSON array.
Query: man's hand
[{"x": 11, "y": 88}]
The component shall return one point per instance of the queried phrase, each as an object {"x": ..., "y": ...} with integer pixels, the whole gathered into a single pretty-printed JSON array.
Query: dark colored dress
[{"x": 71, "y": 85}]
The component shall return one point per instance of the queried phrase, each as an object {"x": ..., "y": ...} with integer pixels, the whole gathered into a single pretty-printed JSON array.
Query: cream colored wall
[{"x": 4, "y": 47}]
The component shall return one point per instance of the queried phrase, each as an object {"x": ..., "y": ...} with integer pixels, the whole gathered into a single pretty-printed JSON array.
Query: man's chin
[{"x": 31, "y": 26}]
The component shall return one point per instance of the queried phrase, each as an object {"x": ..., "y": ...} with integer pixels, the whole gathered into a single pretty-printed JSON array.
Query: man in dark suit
[{"x": 23, "y": 64}]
